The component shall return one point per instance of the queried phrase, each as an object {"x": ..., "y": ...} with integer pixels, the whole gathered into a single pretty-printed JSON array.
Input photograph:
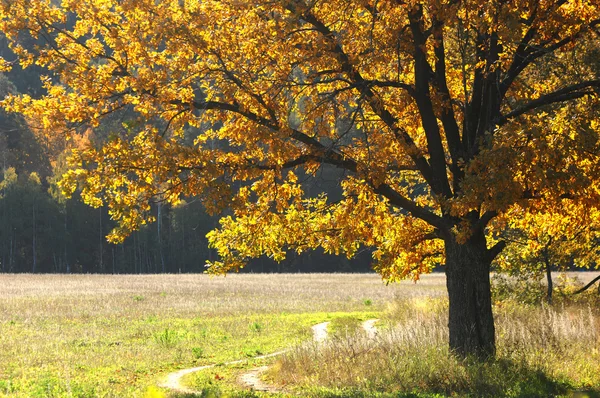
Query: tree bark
[
  {"x": 471, "y": 322},
  {"x": 33, "y": 243},
  {"x": 549, "y": 280}
]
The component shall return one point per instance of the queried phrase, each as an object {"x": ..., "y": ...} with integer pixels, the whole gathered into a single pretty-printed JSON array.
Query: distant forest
[{"x": 41, "y": 231}]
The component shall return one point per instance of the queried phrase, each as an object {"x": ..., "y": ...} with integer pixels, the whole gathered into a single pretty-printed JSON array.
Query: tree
[
  {"x": 437, "y": 110},
  {"x": 541, "y": 241}
]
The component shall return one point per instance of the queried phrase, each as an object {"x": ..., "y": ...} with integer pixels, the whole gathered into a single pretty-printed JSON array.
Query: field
[{"x": 119, "y": 336}]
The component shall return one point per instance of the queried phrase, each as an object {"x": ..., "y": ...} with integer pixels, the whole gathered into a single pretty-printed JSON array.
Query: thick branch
[
  {"x": 420, "y": 212},
  {"x": 495, "y": 250},
  {"x": 423, "y": 99},
  {"x": 448, "y": 117},
  {"x": 484, "y": 220},
  {"x": 374, "y": 102},
  {"x": 586, "y": 287},
  {"x": 568, "y": 93}
]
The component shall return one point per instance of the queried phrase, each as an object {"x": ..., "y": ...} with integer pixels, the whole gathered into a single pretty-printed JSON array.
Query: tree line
[{"x": 41, "y": 231}]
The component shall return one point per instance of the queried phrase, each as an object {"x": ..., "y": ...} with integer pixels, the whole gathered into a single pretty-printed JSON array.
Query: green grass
[
  {"x": 119, "y": 336},
  {"x": 222, "y": 380}
]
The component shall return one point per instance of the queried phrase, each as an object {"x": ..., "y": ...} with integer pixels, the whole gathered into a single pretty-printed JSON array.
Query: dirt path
[
  {"x": 369, "y": 328},
  {"x": 173, "y": 380},
  {"x": 320, "y": 332},
  {"x": 251, "y": 379}
]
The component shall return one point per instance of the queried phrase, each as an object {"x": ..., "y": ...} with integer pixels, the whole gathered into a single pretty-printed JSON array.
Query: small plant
[
  {"x": 198, "y": 352},
  {"x": 203, "y": 333},
  {"x": 368, "y": 302},
  {"x": 255, "y": 327},
  {"x": 252, "y": 352},
  {"x": 138, "y": 297},
  {"x": 6, "y": 387},
  {"x": 167, "y": 338}
]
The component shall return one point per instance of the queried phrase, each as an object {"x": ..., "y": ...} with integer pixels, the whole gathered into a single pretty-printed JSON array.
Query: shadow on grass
[
  {"x": 217, "y": 393},
  {"x": 495, "y": 378}
]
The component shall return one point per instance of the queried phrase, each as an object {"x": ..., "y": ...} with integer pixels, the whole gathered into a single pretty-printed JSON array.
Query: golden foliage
[{"x": 444, "y": 114}]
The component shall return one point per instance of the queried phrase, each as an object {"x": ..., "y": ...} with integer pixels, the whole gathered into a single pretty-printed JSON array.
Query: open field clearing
[
  {"x": 119, "y": 336},
  {"x": 96, "y": 335}
]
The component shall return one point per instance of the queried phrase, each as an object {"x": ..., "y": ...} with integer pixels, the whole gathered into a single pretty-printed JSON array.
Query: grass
[
  {"x": 542, "y": 351},
  {"x": 118, "y": 336}
]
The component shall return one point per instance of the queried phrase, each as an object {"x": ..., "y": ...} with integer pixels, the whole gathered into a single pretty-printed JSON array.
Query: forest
[{"x": 42, "y": 231}]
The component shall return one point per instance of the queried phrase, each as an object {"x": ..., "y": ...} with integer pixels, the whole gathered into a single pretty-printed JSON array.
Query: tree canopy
[{"x": 445, "y": 115}]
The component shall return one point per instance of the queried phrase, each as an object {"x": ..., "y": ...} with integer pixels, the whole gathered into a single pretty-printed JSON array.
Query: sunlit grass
[
  {"x": 542, "y": 351},
  {"x": 116, "y": 336}
]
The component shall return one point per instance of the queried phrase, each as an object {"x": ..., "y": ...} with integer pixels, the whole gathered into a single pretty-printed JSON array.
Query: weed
[
  {"x": 252, "y": 352},
  {"x": 203, "y": 333},
  {"x": 167, "y": 338},
  {"x": 6, "y": 386},
  {"x": 198, "y": 352},
  {"x": 368, "y": 302},
  {"x": 255, "y": 327},
  {"x": 138, "y": 297},
  {"x": 343, "y": 326}
]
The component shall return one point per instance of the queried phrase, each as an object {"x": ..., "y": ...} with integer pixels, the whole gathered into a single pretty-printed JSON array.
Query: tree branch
[
  {"x": 422, "y": 68},
  {"x": 572, "y": 92},
  {"x": 326, "y": 155},
  {"x": 586, "y": 287},
  {"x": 374, "y": 102},
  {"x": 448, "y": 117},
  {"x": 495, "y": 250}
]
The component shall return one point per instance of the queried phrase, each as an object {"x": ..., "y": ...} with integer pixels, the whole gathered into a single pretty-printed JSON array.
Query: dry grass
[
  {"x": 112, "y": 295},
  {"x": 542, "y": 351},
  {"x": 97, "y": 335},
  {"x": 115, "y": 336}
]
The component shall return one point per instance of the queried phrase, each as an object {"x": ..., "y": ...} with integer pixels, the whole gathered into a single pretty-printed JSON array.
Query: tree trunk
[
  {"x": 33, "y": 243},
  {"x": 471, "y": 323},
  {"x": 101, "y": 265},
  {"x": 549, "y": 280}
]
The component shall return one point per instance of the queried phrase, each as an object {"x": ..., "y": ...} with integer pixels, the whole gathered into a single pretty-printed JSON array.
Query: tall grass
[{"x": 542, "y": 351}]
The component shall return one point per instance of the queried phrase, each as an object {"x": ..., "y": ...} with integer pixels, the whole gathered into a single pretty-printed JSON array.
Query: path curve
[
  {"x": 251, "y": 379},
  {"x": 320, "y": 332},
  {"x": 173, "y": 380},
  {"x": 369, "y": 328}
]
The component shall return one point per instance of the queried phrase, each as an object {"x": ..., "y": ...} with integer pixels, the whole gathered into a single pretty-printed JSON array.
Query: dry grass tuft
[{"x": 542, "y": 351}]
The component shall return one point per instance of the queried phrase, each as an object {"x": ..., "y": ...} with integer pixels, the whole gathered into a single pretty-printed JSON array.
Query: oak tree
[{"x": 444, "y": 115}]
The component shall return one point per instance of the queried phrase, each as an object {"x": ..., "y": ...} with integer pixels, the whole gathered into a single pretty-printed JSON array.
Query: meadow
[{"x": 119, "y": 336}]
